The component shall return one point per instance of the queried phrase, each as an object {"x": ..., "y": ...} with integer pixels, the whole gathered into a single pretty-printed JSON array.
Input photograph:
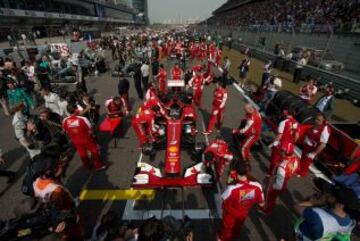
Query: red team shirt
[
  {"x": 176, "y": 73},
  {"x": 288, "y": 128},
  {"x": 239, "y": 198},
  {"x": 253, "y": 125},
  {"x": 220, "y": 97},
  {"x": 78, "y": 128}
]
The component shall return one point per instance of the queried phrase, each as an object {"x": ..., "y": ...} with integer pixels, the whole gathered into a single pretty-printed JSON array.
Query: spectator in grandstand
[
  {"x": 298, "y": 69},
  {"x": 326, "y": 103},
  {"x": 244, "y": 69}
]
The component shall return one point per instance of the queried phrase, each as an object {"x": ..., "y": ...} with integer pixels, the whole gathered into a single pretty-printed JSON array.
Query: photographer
[
  {"x": 50, "y": 192},
  {"x": 325, "y": 217}
]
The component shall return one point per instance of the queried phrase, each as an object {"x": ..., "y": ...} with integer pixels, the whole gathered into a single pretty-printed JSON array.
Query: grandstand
[
  {"x": 53, "y": 16},
  {"x": 341, "y": 16}
]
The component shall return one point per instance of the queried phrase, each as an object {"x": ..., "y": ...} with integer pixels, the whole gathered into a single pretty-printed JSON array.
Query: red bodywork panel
[{"x": 173, "y": 150}]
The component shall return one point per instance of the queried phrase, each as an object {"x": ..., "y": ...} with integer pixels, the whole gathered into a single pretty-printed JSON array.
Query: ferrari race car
[{"x": 178, "y": 134}]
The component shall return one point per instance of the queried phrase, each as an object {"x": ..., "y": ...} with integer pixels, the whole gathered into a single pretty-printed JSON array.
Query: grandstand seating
[{"x": 342, "y": 15}]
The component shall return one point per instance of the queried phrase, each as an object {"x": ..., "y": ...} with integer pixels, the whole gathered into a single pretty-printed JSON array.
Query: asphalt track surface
[{"x": 202, "y": 205}]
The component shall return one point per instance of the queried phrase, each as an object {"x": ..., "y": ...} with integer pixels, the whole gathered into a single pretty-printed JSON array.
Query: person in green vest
[
  {"x": 324, "y": 218},
  {"x": 17, "y": 95}
]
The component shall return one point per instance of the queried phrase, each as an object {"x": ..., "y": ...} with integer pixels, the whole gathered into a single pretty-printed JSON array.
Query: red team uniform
[
  {"x": 313, "y": 138},
  {"x": 162, "y": 78},
  {"x": 176, "y": 73},
  {"x": 114, "y": 109},
  {"x": 197, "y": 83},
  {"x": 285, "y": 170},
  {"x": 79, "y": 129},
  {"x": 212, "y": 52},
  {"x": 218, "y": 108},
  {"x": 221, "y": 155},
  {"x": 143, "y": 124},
  {"x": 289, "y": 130},
  {"x": 237, "y": 201},
  {"x": 249, "y": 134}
]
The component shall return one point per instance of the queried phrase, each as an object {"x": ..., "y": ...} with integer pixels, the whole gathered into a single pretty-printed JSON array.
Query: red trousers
[
  {"x": 275, "y": 160},
  {"x": 230, "y": 226},
  {"x": 162, "y": 87},
  {"x": 197, "y": 96},
  {"x": 305, "y": 162},
  {"x": 216, "y": 118},
  {"x": 271, "y": 198},
  {"x": 246, "y": 145},
  {"x": 88, "y": 146}
]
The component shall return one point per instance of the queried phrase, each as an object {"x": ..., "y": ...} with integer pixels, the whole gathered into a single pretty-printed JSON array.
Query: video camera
[{"x": 34, "y": 225}]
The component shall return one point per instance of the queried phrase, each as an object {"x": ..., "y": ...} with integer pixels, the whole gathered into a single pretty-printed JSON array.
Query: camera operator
[
  {"x": 49, "y": 191},
  {"x": 324, "y": 217}
]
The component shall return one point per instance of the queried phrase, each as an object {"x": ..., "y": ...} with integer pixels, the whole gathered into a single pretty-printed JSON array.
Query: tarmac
[{"x": 202, "y": 205}]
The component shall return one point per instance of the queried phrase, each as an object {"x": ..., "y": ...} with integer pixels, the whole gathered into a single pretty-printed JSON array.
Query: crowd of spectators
[{"x": 303, "y": 15}]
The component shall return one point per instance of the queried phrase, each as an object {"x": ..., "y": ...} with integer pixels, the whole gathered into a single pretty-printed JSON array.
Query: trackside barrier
[{"x": 339, "y": 81}]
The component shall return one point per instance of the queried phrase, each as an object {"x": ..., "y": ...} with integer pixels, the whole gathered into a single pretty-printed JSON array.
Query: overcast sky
[{"x": 165, "y": 10}]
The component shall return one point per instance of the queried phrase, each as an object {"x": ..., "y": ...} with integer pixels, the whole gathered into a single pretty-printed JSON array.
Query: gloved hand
[
  {"x": 275, "y": 143},
  {"x": 311, "y": 155}
]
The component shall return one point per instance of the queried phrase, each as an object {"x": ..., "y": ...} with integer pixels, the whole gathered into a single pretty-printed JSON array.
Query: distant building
[{"x": 142, "y": 7}]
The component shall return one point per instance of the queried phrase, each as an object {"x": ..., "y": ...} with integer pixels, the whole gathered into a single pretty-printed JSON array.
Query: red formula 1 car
[
  {"x": 342, "y": 153},
  {"x": 180, "y": 131}
]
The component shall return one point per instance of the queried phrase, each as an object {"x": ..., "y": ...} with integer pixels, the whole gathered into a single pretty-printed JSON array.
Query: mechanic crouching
[{"x": 144, "y": 125}]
